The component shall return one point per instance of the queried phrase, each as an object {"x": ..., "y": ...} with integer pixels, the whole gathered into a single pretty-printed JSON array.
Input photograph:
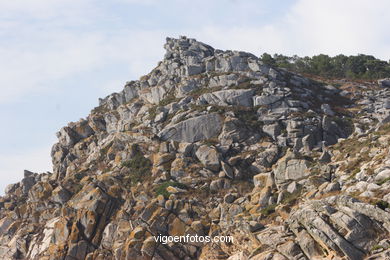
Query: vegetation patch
[
  {"x": 353, "y": 67},
  {"x": 383, "y": 130},
  {"x": 268, "y": 210},
  {"x": 382, "y": 204},
  {"x": 383, "y": 181},
  {"x": 139, "y": 166},
  {"x": 211, "y": 141},
  {"x": 161, "y": 189},
  {"x": 104, "y": 150},
  {"x": 290, "y": 198},
  {"x": 152, "y": 112}
]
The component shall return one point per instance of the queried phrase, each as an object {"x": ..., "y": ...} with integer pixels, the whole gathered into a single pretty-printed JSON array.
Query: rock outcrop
[{"x": 213, "y": 143}]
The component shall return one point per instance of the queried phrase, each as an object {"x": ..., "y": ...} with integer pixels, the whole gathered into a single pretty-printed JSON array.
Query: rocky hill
[{"x": 213, "y": 142}]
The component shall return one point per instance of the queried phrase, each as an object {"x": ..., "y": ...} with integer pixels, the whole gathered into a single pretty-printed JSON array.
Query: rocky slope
[{"x": 213, "y": 142}]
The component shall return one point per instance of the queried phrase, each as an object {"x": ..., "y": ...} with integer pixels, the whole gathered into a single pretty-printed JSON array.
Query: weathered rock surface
[
  {"x": 194, "y": 129},
  {"x": 236, "y": 97}
]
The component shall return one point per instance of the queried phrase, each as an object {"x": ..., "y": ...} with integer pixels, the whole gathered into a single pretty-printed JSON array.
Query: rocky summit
[{"x": 214, "y": 143}]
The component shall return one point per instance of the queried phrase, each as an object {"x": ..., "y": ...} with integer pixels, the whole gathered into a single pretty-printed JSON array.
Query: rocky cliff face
[{"x": 213, "y": 142}]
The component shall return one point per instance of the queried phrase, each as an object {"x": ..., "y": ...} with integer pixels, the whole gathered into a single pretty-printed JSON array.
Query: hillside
[{"x": 215, "y": 143}]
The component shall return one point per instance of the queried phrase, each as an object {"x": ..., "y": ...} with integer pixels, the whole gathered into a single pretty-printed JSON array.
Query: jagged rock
[
  {"x": 325, "y": 157},
  {"x": 265, "y": 196},
  {"x": 60, "y": 195},
  {"x": 230, "y": 198},
  {"x": 255, "y": 226},
  {"x": 27, "y": 183},
  {"x": 227, "y": 169},
  {"x": 293, "y": 187},
  {"x": 149, "y": 246},
  {"x": 268, "y": 157},
  {"x": 194, "y": 129},
  {"x": 40, "y": 191},
  {"x": 10, "y": 188},
  {"x": 219, "y": 184},
  {"x": 332, "y": 131},
  {"x": 384, "y": 83},
  {"x": 335, "y": 186},
  {"x": 236, "y": 131},
  {"x": 273, "y": 130},
  {"x": 327, "y": 110},
  {"x": 208, "y": 157}
]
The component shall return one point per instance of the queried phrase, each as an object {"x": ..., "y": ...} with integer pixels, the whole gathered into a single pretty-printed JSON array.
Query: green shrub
[
  {"x": 356, "y": 67},
  {"x": 139, "y": 166},
  {"x": 152, "y": 112},
  {"x": 268, "y": 210},
  {"x": 382, "y": 204},
  {"x": 376, "y": 247}
]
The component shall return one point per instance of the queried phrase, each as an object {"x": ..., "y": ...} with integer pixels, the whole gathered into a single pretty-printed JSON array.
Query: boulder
[
  {"x": 273, "y": 130},
  {"x": 290, "y": 168},
  {"x": 384, "y": 83},
  {"x": 383, "y": 175},
  {"x": 219, "y": 184},
  {"x": 266, "y": 100},
  {"x": 60, "y": 195},
  {"x": 331, "y": 131},
  {"x": 40, "y": 191},
  {"x": 193, "y": 129},
  {"x": 327, "y": 110},
  {"x": 228, "y": 170},
  {"x": 230, "y": 197},
  {"x": 208, "y": 157},
  {"x": 10, "y": 188}
]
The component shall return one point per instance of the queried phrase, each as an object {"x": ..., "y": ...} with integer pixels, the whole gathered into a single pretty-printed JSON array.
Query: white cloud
[
  {"x": 311, "y": 27},
  {"x": 27, "y": 70},
  {"x": 251, "y": 39},
  {"x": 140, "y": 2},
  {"x": 334, "y": 27},
  {"x": 70, "y": 10},
  {"x": 33, "y": 68}
]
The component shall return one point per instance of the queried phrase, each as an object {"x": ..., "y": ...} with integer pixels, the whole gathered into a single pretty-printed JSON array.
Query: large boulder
[
  {"x": 384, "y": 83},
  {"x": 208, "y": 157},
  {"x": 266, "y": 100},
  {"x": 290, "y": 168},
  {"x": 193, "y": 129},
  {"x": 237, "y": 97},
  {"x": 331, "y": 131}
]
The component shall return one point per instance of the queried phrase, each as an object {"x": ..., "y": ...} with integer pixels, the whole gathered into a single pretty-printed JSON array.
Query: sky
[{"x": 57, "y": 57}]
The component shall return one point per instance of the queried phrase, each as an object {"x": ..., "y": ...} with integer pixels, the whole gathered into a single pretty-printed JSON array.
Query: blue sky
[{"x": 57, "y": 57}]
